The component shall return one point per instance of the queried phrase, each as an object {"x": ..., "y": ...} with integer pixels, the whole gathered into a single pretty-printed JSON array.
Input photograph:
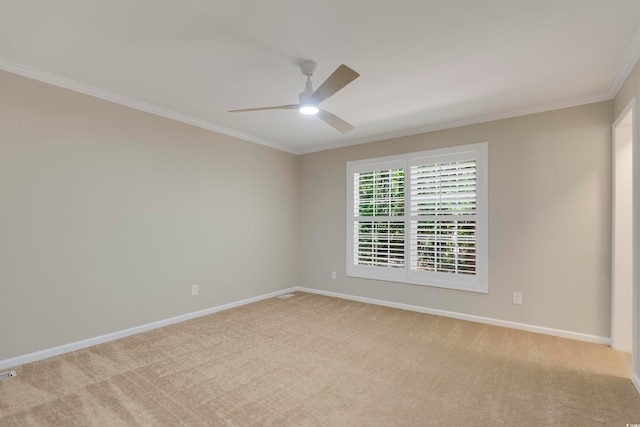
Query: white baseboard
[
  {"x": 66, "y": 348},
  {"x": 636, "y": 382},
  {"x": 479, "y": 319}
]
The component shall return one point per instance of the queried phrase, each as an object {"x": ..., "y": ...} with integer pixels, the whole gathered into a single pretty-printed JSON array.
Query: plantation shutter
[
  {"x": 443, "y": 217},
  {"x": 379, "y": 216},
  {"x": 420, "y": 218}
]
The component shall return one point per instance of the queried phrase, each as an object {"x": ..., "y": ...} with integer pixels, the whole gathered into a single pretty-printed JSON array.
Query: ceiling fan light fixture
[
  {"x": 310, "y": 99},
  {"x": 308, "y": 109}
]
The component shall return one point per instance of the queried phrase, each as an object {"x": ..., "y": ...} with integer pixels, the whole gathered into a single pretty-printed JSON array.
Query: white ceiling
[{"x": 424, "y": 65}]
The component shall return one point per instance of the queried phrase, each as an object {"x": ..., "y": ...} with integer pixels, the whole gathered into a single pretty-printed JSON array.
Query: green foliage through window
[{"x": 443, "y": 229}]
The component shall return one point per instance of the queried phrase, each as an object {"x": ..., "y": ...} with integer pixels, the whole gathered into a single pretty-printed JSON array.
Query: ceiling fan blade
[
  {"x": 279, "y": 107},
  {"x": 335, "y": 121},
  {"x": 341, "y": 77}
]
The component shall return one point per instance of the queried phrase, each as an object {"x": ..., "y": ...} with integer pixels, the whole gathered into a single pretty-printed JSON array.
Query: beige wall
[
  {"x": 549, "y": 220},
  {"x": 109, "y": 215},
  {"x": 630, "y": 90}
]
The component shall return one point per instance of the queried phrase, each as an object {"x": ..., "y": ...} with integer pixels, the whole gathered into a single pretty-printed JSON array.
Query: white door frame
[
  {"x": 625, "y": 263},
  {"x": 622, "y": 231}
]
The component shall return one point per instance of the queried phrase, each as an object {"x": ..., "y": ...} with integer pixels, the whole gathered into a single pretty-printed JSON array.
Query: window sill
[{"x": 471, "y": 286}]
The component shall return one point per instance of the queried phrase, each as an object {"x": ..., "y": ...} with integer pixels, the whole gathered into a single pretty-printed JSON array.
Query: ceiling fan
[{"x": 309, "y": 99}]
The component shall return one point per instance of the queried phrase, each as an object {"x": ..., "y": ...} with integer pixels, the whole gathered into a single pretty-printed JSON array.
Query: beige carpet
[{"x": 313, "y": 360}]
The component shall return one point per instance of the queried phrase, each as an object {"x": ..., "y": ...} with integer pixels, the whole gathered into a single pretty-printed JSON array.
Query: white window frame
[{"x": 477, "y": 282}]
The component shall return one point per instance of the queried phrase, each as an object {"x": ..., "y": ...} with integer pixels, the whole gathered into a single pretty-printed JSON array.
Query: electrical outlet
[
  {"x": 333, "y": 275},
  {"x": 517, "y": 298},
  {"x": 194, "y": 289}
]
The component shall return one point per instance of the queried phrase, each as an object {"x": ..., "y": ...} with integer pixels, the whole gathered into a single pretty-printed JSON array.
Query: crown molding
[
  {"x": 486, "y": 118},
  {"x": 631, "y": 57},
  {"x": 55, "y": 80}
]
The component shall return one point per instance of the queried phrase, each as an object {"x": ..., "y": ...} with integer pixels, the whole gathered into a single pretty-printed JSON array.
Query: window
[{"x": 420, "y": 218}]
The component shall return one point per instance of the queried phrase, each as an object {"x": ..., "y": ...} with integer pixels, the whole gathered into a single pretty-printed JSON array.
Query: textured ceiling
[{"x": 424, "y": 65}]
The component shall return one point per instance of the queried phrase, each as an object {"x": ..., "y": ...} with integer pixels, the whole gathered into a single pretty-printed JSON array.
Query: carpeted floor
[{"x": 311, "y": 360}]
